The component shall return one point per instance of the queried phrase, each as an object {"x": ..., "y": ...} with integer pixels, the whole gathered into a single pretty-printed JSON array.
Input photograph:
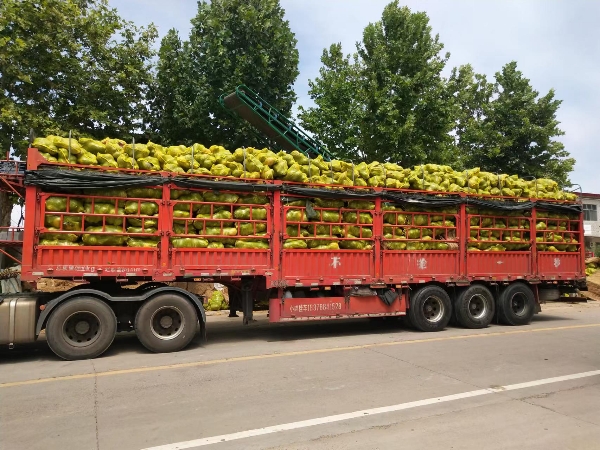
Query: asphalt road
[{"x": 343, "y": 385}]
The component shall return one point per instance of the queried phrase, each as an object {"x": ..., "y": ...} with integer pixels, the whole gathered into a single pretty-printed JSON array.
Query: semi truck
[{"x": 316, "y": 252}]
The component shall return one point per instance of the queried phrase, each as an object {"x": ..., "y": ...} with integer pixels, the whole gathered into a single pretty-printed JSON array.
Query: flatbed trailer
[{"x": 364, "y": 252}]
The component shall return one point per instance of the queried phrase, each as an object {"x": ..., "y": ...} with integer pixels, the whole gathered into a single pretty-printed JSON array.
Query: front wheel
[
  {"x": 81, "y": 328},
  {"x": 430, "y": 309},
  {"x": 166, "y": 323}
]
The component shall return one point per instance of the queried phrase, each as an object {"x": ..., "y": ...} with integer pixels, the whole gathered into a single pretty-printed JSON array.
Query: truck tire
[
  {"x": 430, "y": 309},
  {"x": 548, "y": 294},
  {"x": 81, "y": 328},
  {"x": 474, "y": 307},
  {"x": 516, "y": 305},
  {"x": 166, "y": 323}
]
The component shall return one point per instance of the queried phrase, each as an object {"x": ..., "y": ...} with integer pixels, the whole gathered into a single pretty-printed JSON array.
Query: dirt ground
[{"x": 593, "y": 283}]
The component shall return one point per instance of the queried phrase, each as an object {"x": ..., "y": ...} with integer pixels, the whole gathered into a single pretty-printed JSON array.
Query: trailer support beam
[{"x": 247, "y": 301}]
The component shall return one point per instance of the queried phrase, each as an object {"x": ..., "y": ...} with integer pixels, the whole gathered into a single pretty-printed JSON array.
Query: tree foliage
[
  {"x": 232, "y": 42},
  {"x": 471, "y": 94},
  {"x": 506, "y": 126},
  {"x": 390, "y": 100},
  {"x": 337, "y": 118},
  {"x": 167, "y": 115},
  {"x": 71, "y": 65}
]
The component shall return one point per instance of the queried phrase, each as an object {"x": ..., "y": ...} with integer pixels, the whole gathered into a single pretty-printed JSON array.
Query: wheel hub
[
  {"x": 433, "y": 309},
  {"x": 477, "y": 307},
  {"x": 81, "y": 328},
  {"x": 518, "y": 304},
  {"x": 167, "y": 323}
]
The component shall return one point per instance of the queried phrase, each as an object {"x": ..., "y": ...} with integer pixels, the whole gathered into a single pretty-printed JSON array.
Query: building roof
[{"x": 589, "y": 195}]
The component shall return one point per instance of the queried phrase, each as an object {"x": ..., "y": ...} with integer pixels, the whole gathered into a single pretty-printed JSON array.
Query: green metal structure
[{"x": 248, "y": 105}]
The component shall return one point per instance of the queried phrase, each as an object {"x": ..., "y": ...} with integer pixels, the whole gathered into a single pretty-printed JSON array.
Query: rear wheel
[
  {"x": 430, "y": 309},
  {"x": 549, "y": 294},
  {"x": 81, "y": 328},
  {"x": 474, "y": 307},
  {"x": 166, "y": 323},
  {"x": 516, "y": 305}
]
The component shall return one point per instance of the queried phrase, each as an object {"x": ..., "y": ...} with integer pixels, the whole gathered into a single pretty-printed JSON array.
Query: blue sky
[{"x": 556, "y": 44}]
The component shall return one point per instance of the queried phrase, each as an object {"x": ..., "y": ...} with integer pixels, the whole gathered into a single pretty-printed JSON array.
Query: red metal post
[
  {"x": 165, "y": 228},
  {"x": 581, "y": 244},
  {"x": 535, "y": 269},
  {"x": 34, "y": 159},
  {"x": 463, "y": 226},
  {"x": 277, "y": 218},
  {"x": 29, "y": 239},
  {"x": 275, "y": 306},
  {"x": 378, "y": 234}
]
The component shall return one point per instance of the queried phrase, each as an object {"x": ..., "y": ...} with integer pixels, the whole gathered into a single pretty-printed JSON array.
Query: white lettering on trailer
[
  {"x": 336, "y": 261},
  {"x": 556, "y": 262},
  {"x": 315, "y": 307},
  {"x": 92, "y": 269},
  {"x": 422, "y": 263},
  {"x": 121, "y": 269},
  {"x": 77, "y": 268},
  {"x": 499, "y": 262}
]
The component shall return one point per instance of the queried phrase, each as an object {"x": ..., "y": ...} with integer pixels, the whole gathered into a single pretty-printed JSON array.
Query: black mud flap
[{"x": 388, "y": 296}]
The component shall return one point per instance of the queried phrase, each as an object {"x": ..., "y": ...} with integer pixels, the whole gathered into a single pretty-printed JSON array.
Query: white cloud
[{"x": 553, "y": 41}]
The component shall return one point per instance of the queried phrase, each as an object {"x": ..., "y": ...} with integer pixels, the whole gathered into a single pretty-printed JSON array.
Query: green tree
[
  {"x": 471, "y": 94},
  {"x": 337, "y": 119},
  {"x": 516, "y": 131},
  {"x": 235, "y": 42},
  {"x": 168, "y": 115},
  {"x": 70, "y": 65},
  {"x": 400, "y": 109}
]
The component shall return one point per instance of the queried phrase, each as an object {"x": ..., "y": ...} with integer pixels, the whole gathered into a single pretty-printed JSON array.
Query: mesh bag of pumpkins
[
  {"x": 115, "y": 221},
  {"x": 252, "y": 163}
]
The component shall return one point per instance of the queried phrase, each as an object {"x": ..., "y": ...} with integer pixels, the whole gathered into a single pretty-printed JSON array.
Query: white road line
[{"x": 365, "y": 412}]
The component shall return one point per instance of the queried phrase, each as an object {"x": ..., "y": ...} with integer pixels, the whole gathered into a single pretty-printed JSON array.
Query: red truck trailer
[{"x": 317, "y": 252}]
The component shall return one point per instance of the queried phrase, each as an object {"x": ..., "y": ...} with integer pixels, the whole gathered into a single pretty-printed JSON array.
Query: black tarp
[
  {"x": 220, "y": 185},
  {"x": 340, "y": 194},
  {"x": 504, "y": 205},
  {"x": 429, "y": 201},
  {"x": 69, "y": 180}
]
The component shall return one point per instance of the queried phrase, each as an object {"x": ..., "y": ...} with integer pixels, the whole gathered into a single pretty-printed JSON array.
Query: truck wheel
[
  {"x": 549, "y": 294},
  {"x": 516, "y": 305},
  {"x": 166, "y": 323},
  {"x": 474, "y": 307},
  {"x": 81, "y": 328},
  {"x": 430, "y": 309}
]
